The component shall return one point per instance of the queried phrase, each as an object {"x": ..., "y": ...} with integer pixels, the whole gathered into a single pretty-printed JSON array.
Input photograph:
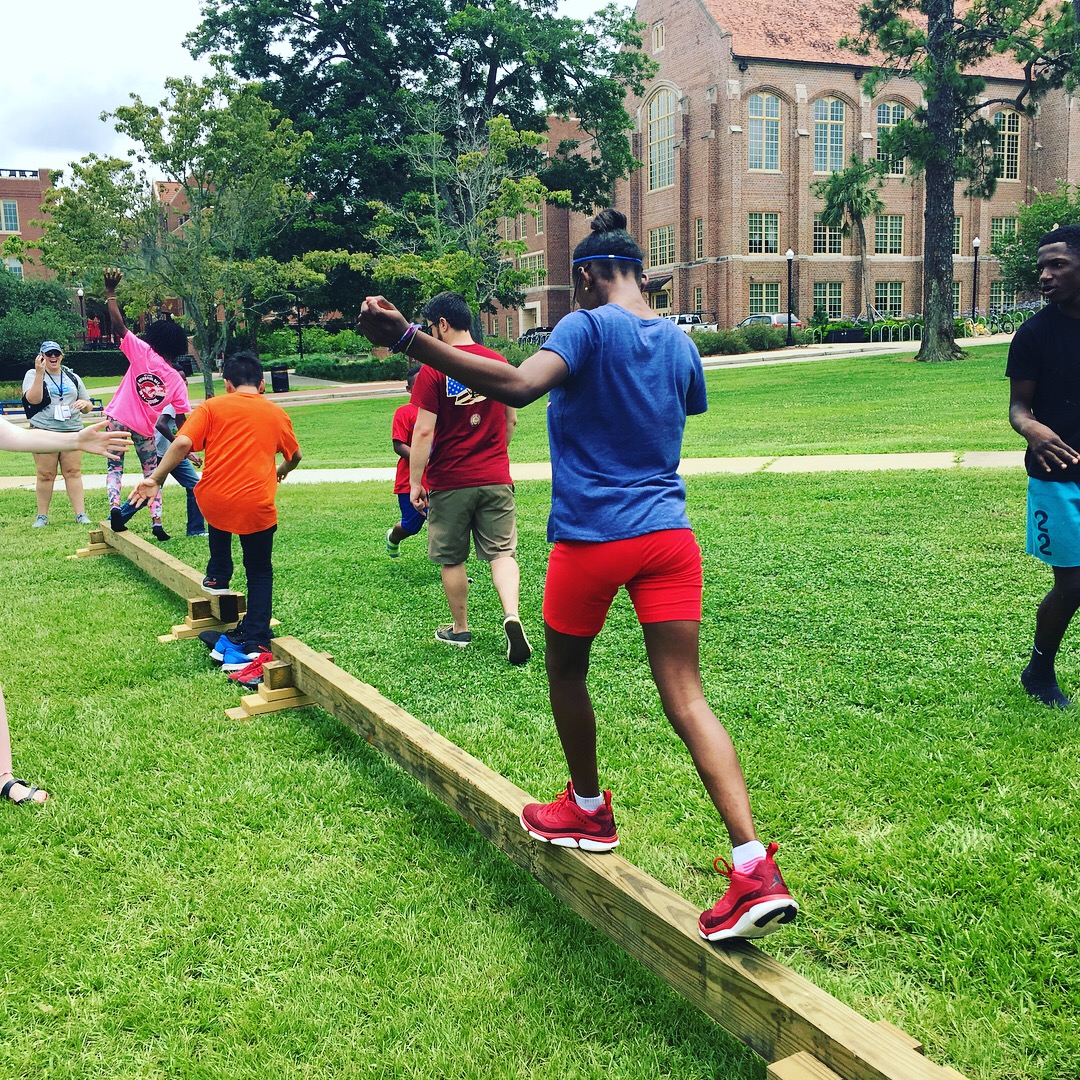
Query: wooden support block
[
  {"x": 801, "y": 1066},
  {"x": 93, "y": 549},
  {"x": 97, "y": 536},
  {"x": 257, "y": 704},
  {"x": 908, "y": 1040},
  {"x": 775, "y": 1011},
  {"x": 198, "y": 607},
  {"x": 277, "y": 675}
]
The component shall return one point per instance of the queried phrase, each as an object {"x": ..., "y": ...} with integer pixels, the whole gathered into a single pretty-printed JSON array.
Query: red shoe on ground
[
  {"x": 756, "y": 903},
  {"x": 564, "y": 824},
  {"x": 252, "y": 675}
]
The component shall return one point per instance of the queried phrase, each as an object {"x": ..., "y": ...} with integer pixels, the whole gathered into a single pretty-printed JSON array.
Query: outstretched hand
[
  {"x": 143, "y": 492},
  {"x": 96, "y": 440},
  {"x": 380, "y": 322},
  {"x": 112, "y": 278}
]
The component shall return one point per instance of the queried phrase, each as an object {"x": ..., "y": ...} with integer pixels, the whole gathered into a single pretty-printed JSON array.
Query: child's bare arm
[{"x": 112, "y": 278}]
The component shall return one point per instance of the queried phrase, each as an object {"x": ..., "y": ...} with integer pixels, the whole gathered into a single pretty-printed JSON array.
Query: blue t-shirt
[{"x": 615, "y": 425}]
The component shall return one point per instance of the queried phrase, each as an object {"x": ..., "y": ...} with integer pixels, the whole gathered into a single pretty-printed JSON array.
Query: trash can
[
  {"x": 187, "y": 366},
  {"x": 279, "y": 378}
]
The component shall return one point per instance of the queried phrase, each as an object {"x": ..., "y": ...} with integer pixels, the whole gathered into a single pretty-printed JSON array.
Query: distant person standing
[
  {"x": 93, "y": 333},
  {"x": 401, "y": 432},
  {"x": 1044, "y": 407},
  {"x": 61, "y": 401},
  {"x": 459, "y": 451}
]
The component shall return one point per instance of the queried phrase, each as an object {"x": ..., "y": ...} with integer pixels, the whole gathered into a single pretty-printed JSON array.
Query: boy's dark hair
[
  {"x": 608, "y": 237},
  {"x": 167, "y": 339},
  {"x": 450, "y": 306},
  {"x": 243, "y": 369},
  {"x": 1069, "y": 235}
]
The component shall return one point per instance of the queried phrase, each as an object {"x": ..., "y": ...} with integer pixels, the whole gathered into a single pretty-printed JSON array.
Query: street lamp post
[
  {"x": 299, "y": 328},
  {"x": 82, "y": 313},
  {"x": 790, "y": 256},
  {"x": 975, "y": 281}
]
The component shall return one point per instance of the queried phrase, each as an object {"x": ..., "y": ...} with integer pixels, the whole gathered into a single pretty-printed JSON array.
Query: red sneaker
[
  {"x": 756, "y": 903},
  {"x": 564, "y": 824},
  {"x": 252, "y": 675}
]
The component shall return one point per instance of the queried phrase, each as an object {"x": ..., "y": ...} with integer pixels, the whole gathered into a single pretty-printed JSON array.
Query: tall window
[
  {"x": 764, "y": 297},
  {"x": 1002, "y": 230},
  {"x": 11, "y": 215},
  {"x": 889, "y": 114},
  {"x": 662, "y": 246},
  {"x": 1000, "y": 297},
  {"x": 763, "y": 234},
  {"x": 536, "y": 264},
  {"x": 1007, "y": 123},
  {"x": 889, "y": 234},
  {"x": 889, "y": 297},
  {"x": 657, "y": 36},
  {"x": 699, "y": 298},
  {"x": 764, "y": 134},
  {"x": 828, "y": 239},
  {"x": 509, "y": 327},
  {"x": 699, "y": 238},
  {"x": 522, "y": 226},
  {"x": 956, "y": 236},
  {"x": 540, "y": 220},
  {"x": 956, "y": 297},
  {"x": 14, "y": 267},
  {"x": 829, "y": 297},
  {"x": 662, "y": 112},
  {"x": 828, "y": 135}
]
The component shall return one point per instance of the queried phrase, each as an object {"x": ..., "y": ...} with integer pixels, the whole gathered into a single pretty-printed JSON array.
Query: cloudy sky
[{"x": 88, "y": 61}]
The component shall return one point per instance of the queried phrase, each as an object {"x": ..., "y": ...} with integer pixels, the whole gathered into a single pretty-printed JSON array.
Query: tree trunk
[
  {"x": 943, "y": 105},
  {"x": 864, "y": 269}
]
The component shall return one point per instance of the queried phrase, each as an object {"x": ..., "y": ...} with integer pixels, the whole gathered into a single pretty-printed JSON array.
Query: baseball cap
[{"x": 49, "y": 346}]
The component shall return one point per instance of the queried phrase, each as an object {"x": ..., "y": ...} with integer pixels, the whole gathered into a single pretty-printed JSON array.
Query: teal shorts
[{"x": 1053, "y": 521}]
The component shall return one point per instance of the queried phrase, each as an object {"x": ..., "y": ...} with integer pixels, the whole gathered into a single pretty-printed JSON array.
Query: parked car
[
  {"x": 535, "y": 335},
  {"x": 690, "y": 321},
  {"x": 770, "y": 318}
]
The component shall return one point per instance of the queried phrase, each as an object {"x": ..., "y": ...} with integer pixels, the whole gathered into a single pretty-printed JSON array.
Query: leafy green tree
[
  {"x": 32, "y": 312},
  {"x": 1045, "y": 212},
  {"x": 939, "y": 43},
  {"x": 851, "y": 196}
]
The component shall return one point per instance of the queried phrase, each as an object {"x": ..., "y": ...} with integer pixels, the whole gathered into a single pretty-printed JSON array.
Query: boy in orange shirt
[{"x": 242, "y": 434}]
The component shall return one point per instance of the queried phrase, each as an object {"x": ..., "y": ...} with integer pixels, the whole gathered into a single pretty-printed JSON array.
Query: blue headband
[{"x": 624, "y": 258}]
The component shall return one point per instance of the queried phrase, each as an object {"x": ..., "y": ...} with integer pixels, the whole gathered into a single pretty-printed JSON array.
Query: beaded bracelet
[{"x": 405, "y": 340}]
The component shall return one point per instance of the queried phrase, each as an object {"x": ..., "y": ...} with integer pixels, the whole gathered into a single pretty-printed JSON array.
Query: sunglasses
[{"x": 52, "y": 354}]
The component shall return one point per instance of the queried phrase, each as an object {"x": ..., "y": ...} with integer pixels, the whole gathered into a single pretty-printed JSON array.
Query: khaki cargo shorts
[{"x": 486, "y": 513}]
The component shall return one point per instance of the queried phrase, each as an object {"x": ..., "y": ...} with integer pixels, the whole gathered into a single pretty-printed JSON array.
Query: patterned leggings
[{"x": 146, "y": 448}]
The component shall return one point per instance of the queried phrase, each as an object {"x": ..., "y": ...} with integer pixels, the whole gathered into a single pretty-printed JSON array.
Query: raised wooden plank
[
  {"x": 908, "y": 1040},
  {"x": 772, "y": 1009},
  {"x": 802, "y": 1066},
  {"x": 92, "y": 550}
]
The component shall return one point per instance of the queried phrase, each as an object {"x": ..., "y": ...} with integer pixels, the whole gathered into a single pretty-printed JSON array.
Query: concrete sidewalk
[{"x": 976, "y": 459}]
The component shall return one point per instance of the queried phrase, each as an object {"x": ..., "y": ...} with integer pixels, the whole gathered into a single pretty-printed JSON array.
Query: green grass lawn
[{"x": 204, "y": 898}]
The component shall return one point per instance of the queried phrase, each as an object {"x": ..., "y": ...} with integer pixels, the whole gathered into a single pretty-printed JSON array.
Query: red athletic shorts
[{"x": 661, "y": 572}]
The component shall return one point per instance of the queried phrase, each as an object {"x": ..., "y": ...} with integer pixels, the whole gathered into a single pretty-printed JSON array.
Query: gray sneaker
[
  {"x": 446, "y": 634},
  {"x": 40, "y": 522},
  {"x": 82, "y": 519}
]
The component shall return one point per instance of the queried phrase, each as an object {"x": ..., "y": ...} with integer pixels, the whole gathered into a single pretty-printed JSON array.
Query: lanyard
[{"x": 59, "y": 393}]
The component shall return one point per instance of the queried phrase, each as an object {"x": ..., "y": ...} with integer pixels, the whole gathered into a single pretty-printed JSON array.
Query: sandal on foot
[{"x": 5, "y": 793}]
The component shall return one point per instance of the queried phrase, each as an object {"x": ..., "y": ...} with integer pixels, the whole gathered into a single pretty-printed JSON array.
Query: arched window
[
  {"x": 662, "y": 111},
  {"x": 889, "y": 114},
  {"x": 1007, "y": 123},
  {"x": 763, "y": 142},
  {"x": 829, "y": 116}
]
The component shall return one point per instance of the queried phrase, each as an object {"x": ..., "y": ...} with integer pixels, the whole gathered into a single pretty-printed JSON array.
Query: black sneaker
[
  {"x": 447, "y": 634},
  {"x": 160, "y": 533},
  {"x": 215, "y": 587},
  {"x": 518, "y": 649},
  {"x": 116, "y": 520}
]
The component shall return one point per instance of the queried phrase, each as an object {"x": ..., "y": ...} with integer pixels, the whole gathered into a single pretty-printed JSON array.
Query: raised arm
[
  {"x": 112, "y": 278},
  {"x": 382, "y": 324}
]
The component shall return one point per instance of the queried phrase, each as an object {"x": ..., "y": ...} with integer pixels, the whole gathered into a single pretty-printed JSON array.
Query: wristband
[{"x": 405, "y": 340}]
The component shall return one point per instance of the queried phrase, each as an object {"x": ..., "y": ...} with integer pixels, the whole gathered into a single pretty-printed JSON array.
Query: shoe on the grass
[
  {"x": 564, "y": 823},
  {"x": 215, "y": 586},
  {"x": 1044, "y": 689},
  {"x": 160, "y": 533},
  {"x": 201, "y": 532},
  {"x": 448, "y": 635},
  {"x": 518, "y": 649},
  {"x": 392, "y": 549},
  {"x": 82, "y": 519},
  {"x": 116, "y": 520},
  {"x": 757, "y": 902},
  {"x": 233, "y": 657},
  {"x": 40, "y": 522},
  {"x": 252, "y": 675}
]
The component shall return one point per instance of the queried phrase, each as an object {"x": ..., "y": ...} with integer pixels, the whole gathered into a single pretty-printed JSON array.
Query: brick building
[
  {"x": 21, "y": 194},
  {"x": 751, "y": 105}
]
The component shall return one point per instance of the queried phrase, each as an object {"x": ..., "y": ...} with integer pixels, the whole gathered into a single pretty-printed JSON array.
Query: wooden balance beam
[
  {"x": 804, "y": 1033},
  {"x": 800, "y": 1031}
]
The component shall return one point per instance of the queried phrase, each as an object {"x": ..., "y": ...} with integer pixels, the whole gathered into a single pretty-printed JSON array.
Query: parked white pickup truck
[{"x": 690, "y": 322}]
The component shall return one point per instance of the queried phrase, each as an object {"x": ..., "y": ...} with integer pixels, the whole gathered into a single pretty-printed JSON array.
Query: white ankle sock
[
  {"x": 594, "y": 803},
  {"x": 745, "y": 856}
]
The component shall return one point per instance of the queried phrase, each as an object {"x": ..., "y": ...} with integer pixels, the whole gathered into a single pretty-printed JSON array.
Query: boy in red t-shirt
[
  {"x": 401, "y": 429},
  {"x": 242, "y": 434}
]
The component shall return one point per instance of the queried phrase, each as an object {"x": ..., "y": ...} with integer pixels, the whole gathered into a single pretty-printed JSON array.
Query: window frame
[
  {"x": 662, "y": 242},
  {"x": 11, "y": 205},
  {"x": 890, "y": 229},
  {"x": 763, "y": 233},
  {"x": 830, "y": 134},
  {"x": 763, "y": 133},
  {"x": 660, "y": 139},
  {"x": 1008, "y": 143},
  {"x": 897, "y": 166},
  {"x": 833, "y": 296},
  {"x": 766, "y": 290}
]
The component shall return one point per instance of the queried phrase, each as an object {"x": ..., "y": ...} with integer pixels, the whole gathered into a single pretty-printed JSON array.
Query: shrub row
[{"x": 100, "y": 362}]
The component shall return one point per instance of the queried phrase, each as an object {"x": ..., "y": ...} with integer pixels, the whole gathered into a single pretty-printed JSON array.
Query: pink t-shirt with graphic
[{"x": 150, "y": 384}]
